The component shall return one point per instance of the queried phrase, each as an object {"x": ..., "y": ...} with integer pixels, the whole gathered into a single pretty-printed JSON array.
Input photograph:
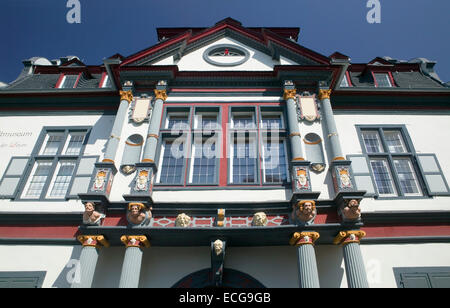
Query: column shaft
[
  {"x": 354, "y": 266},
  {"x": 294, "y": 132},
  {"x": 113, "y": 143},
  {"x": 153, "y": 131},
  {"x": 327, "y": 113},
  {"x": 308, "y": 273},
  {"x": 131, "y": 268},
  {"x": 88, "y": 262}
]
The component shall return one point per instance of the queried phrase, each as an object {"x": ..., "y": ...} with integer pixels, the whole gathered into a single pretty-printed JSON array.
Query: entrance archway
[{"x": 231, "y": 279}]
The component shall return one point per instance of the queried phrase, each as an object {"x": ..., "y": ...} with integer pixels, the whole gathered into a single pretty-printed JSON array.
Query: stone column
[
  {"x": 131, "y": 268},
  {"x": 294, "y": 132},
  {"x": 354, "y": 264},
  {"x": 307, "y": 265},
  {"x": 328, "y": 117},
  {"x": 153, "y": 128},
  {"x": 111, "y": 149},
  {"x": 88, "y": 259}
]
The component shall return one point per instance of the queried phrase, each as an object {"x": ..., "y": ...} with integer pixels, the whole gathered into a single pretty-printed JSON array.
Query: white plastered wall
[
  {"x": 429, "y": 134},
  {"x": 23, "y": 146}
]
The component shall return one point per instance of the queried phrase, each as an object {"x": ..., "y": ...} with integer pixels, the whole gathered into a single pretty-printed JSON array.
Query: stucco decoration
[
  {"x": 308, "y": 109},
  {"x": 304, "y": 212},
  {"x": 138, "y": 215},
  {"x": 344, "y": 176},
  {"x": 259, "y": 219},
  {"x": 142, "y": 180},
  {"x": 91, "y": 216},
  {"x": 350, "y": 210},
  {"x": 100, "y": 180},
  {"x": 218, "y": 247},
  {"x": 182, "y": 220},
  {"x": 140, "y": 110},
  {"x": 301, "y": 178}
]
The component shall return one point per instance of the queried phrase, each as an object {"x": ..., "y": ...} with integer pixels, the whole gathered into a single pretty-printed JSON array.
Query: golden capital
[
  {"x": 135, "y": 241},
  {"x": 323, "y": 94},
  {"x": 289, "y": 93},
  {"x": 126, "y": 95},
  {"x": 93, "y": 241},
  {"x": 161, "y": 94},
  {"x": 302, "y": 238},
  {"x": 347, "y": 237}
]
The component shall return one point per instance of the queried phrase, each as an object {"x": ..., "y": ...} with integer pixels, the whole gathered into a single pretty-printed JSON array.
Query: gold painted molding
[
  {"x": 148, "y": 160},
  {"x": 302, "y": 238},
  {"x": 135, "y": 241},
  {"x": 298, "y": 158},
  {"x": 93, "y": 241},
  {"x": 324, "y": 94},
  {"x": 160, "y": 94},
  {"x": 152, "y": 135},
  {"x": 347, "y": 237},
  {"x": 126, "y": 95},
  {"x": 295, "y": 134},
  {"x": 289, "y": 94},
  {"x": 338, "y": 158},
  {"x": 107, "y": 160}
]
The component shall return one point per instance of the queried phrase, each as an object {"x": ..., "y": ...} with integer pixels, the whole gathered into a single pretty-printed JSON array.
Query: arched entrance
[{"x": 231, "y": 279}]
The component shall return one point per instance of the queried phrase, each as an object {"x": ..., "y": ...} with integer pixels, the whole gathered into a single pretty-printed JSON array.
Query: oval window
[{"x": 225, "y": 55}]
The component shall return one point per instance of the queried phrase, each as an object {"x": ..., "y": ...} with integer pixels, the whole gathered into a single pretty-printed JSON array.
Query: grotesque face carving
[
  {"x": 259, "y": 219},
  {"x": 351, "y": 210},
  {"x": 304, "y": 211},
  {"x": 218, "y": 247},
  {"x": 89, "y": 207},
  {"x": 182, "y": 220}
]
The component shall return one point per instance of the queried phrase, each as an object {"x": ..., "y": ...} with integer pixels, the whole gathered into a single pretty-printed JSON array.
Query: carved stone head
[
  {"x": 218, "y": 247},
  {"x": 259, "y": 219},
  {"x": 351, "y": 210},
  {"x": 304, "y": 212},
  {"x": 182, "y": 220}
]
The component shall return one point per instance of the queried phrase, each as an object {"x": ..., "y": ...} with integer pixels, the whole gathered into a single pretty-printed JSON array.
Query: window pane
[
  {"x": 274, "y": 162},
  {"x": 244, "y": 162},
  {"x": 172, "y": 164},
  {"x": 53, "y": 144},
  {"x": 209, "y": 122},
  {"x": 406, "y": 176},
  {"x": 63, "y": 178},
  {"x": 383, "y": 178},
  {"x": 394, "y": 142},
  {"x": 243, "y": 121},
  {"x": 75, "y": 144},
  {"x": 178, "y": 122},
  {"x": 204, "y": 163},
  {"x": 372, "y": 142},
  {"x": 272, "y": 121},
  {"x": 383, "y": 80},
  {"x": 38, "y": 179},
  {"x": 69, "y": 81}
]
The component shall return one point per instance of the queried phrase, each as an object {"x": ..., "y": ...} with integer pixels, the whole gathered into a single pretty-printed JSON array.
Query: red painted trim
[
  {"x": 58, "y": 83},
  {"x": 78, "y": 79},
  {"x": 394, "y": 85},
  {"x": 38, "y": 231},
  {"x": 194, "y": 90},
  {"x": 406, "y": 230},
  {"x": 223, "y": 161},
  {"x": 349, "y": 80},
  {"x": 100, "y": 85}
]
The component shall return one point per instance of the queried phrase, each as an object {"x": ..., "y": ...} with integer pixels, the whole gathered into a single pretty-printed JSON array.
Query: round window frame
[{"x": 207, "y": 58}]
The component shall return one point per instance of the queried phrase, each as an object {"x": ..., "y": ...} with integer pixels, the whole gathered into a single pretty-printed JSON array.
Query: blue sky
[{"x": 408, "y": 28}]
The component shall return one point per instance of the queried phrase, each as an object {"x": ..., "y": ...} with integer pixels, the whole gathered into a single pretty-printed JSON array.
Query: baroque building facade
[{"x": 225, "y": 156}]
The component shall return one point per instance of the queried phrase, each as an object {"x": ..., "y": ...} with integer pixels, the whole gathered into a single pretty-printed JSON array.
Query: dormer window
[
  {"x": 69, "y": 82},
  {"x": 345, "y": 82},
  {"x": 383, "y": 80}
]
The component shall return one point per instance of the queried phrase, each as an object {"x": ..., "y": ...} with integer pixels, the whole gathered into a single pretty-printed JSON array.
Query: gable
[
  {"x": 206, "y": 59},
  {"x": 267, "y": 48}
]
